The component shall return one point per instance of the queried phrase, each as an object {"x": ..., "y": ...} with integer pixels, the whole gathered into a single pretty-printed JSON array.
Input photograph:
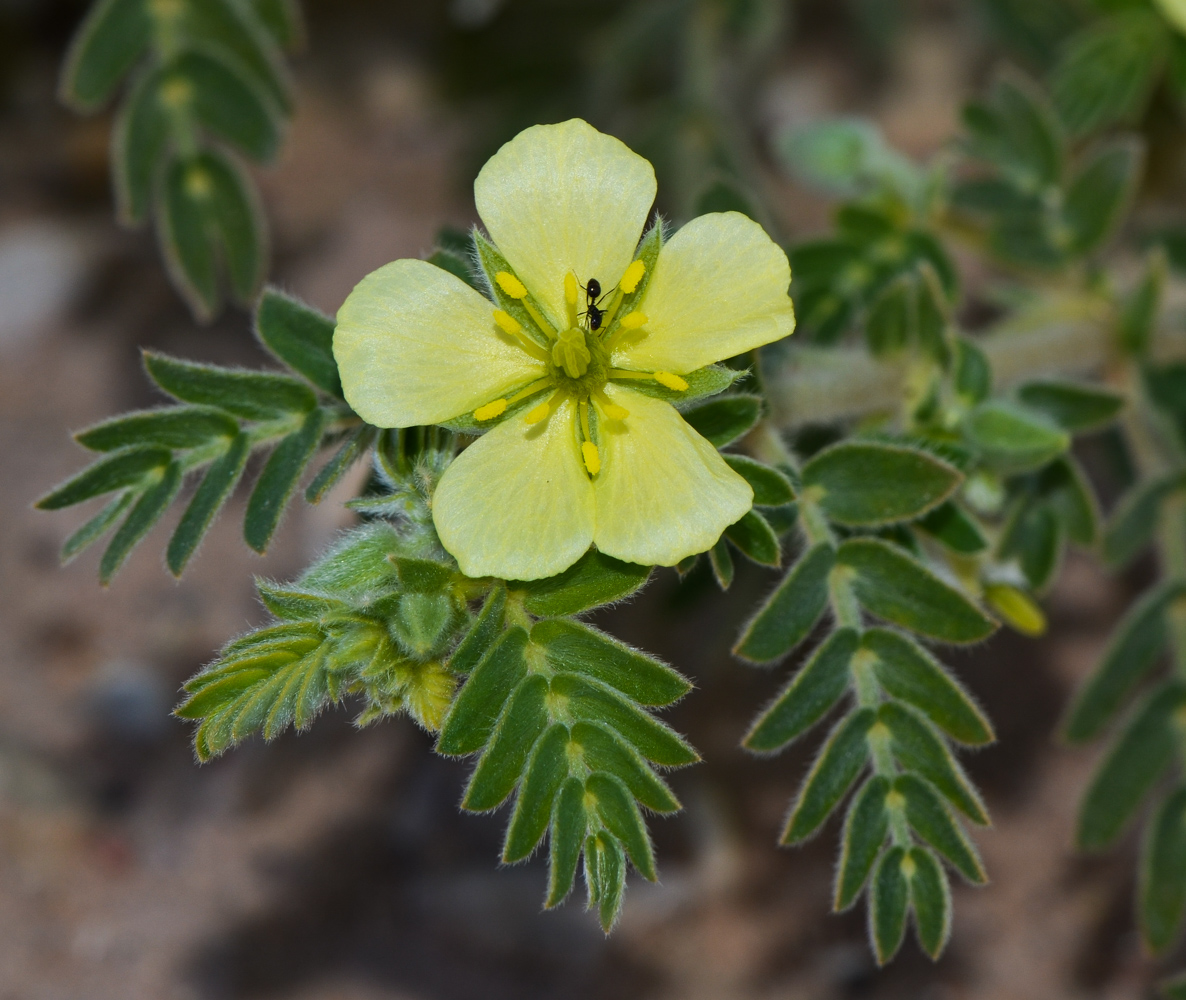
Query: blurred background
[{"x": 336, "y": 864}]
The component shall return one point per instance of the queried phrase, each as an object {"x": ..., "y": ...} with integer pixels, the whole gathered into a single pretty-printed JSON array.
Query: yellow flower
[{"x": 581, "y": 448}]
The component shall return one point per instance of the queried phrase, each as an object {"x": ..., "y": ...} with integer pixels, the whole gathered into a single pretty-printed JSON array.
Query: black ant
[{"x": 592, "y": 296}]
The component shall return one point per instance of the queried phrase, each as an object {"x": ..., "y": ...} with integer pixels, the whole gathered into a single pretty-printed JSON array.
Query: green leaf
[
  {"x": 153, "y": 503},
  {"x": 589, "y": 701},
  {"x": 593, "y": 580},
  {"x": 283, "y": 20},
  {"x": 359, "y": 564},
  {"x": 725, "y": 419},
  {"x": 209, "y": 218},
  {"x": 300, "y": 336},
  {"x": 1130, "y": 529},
  {"x": 1161, "y": 896},
  {"x": 246, "y": 394},
  {"x": 889, "y": 899},
  {"x": 1074, "y": 407},
  {"x": 722, "y": 563},
  {"x": 279, "y": 478},
  {"x": 615, "y": 806},
  {"x": 501, "y": 765},
  {"x": 476, "y": 709},
  {"x": 290, "y": 604},
  {"x": 919, "y": 748},
  {"x": 898, "y": 588},
  {"x": 566, "y": 838},
  {"x": 356, "y": 445},
  {"x": 605, "y": 869},
  {"x": 456, "y": 265},
  {"x": 139, "y": 141},
  {"x": 1012, "y": 438},
  {"x": 847, "y": 157},
  {"x": 909, "y": 673},
  {"x": 108, "y": 43},
  {"x": 866, "y": 484},
  {"x": 1173, "y": 988},
  {"x": 602, "y": 750},
  {"x": 1141, "y": 308},
  {"x": 840, "y": 762},
  {"x": 1107, "y": 71},
  {"x": 930, "y": 897},
  {"x": 930, "y": 819},
  {"x": 1133, "y": 765},
  {"x": 221, "y": 98},
  {"x": 481, "y": 635},
  {"x": 577, "y": 648},
  {"x": 973, "y": 373},
  {"x": 1133, "y": 651},
  {"x": 892, "y": 320},
  {"x": 179, "y": 427},
  {"x": 97, "y": 526},
  {"x": 771, "y": 488},
  {"x": 117, "y": 471},
  {"x": 1100, "y": 193},
  {"x": 546, "y": 772},
  {"x": 756, "y": 539},
  {"x": 865, "y": 829},
  {"x": 1018, "y": 132},
  {"x": 955, "y": 528},
  {"x": 1065, "y": 489},
  {"x": 791, "y": 612},
  {"x": 809, "y": 696},
  {"x": 1034, "y": 536},
  {"x": 211, "y": 494},
  {"x": 424, "y": 576}
]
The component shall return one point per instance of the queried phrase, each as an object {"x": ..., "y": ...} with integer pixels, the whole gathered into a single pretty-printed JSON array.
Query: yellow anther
[
  {"x": 491, "y": 410},
  {"x": 571, "y": 288},
  {"x": 633, "y": 320},
  {"x": 613, "y": 410},
  {"x": 539, "y": 413},
  {"x": 671, "y": 381},
  {"x": 511, "y": 285},
  {"x": 632, "y": 276},
  {"x": 507, "y": 323},
  {"x": 591, "y": 457}
]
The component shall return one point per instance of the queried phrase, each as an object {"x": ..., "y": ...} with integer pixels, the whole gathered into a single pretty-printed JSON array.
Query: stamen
[
  {"x": 671, "y": 381},
  {"x": 540, "y": 412},
  {"x": 507, "y": 323},
  {"x": 511, "y": 285},
  {"x": 513, "y": 328},
  {"x": 493, "y": 409},
  {"x": 627, "y": 373},
  {"x": 584, "y": 408},
  {"x": 611, "y": 410},
  {"x": 531, "y": 390},
  {"x": 570, "y": 297},
  {"x": 633, "y": 320},
  {"x": 591, "y": 457},
  {"x": 632, "y": 276}
]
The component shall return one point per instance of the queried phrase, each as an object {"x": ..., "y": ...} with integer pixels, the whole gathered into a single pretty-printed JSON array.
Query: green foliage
[{"x": 211, "y": 79}]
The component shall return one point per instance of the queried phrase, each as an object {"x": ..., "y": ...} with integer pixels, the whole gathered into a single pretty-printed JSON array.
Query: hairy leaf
[
  {"x": 930, "y": 819},
  {"x": 840, "y": 762},
  {"x": 1161, "y": 895},
  {"x": 889, "y": 900},
  {"x": 300, "y": 336},
  {"x": 593, "y": 580},
  {"x": 789, "y": 614},
  {"x": 865, "y": 829},
  {"x": 724, "y": 419}
]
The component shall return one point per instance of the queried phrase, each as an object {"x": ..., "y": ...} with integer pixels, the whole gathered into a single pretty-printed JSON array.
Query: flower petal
[
  {"x": 664, "y": 492},
  {"x": 719, "y": 289},
  {"x": 560, "y": 198},
  {"x": 516, "y": 503},
  {"x": 416, "y": 345}
]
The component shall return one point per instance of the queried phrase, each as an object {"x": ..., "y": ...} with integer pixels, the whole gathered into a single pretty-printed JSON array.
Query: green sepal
[
  {"x": 917, "y": 747},
  {"x": 565, "y": 840},
  {"x": 108, "y": 43},
  {"x": 898, "y": 588},
  {"x": 590, "y": 701},
  {"x": 722, "y": 421},
  {"x": 808, "y": 697},
  {"x": 790, "y": 613},
  {"x": 217, "y": 484},
  {"x": 573, "y": 647},
  {"x": 96, "y": 527},
  {"x": 931, "y": 820},
  {"x": 1012, "y": 438},
  {"x": 490, "y": 261},
  {"x": 889, "y": 900},
  {"x": 292, "y": 605},
  {"x": 841, "y": 759},
  {"x": 707, "y": 381},
  {"x": 423, "y": 576},
  {"x": 250, "y": 395},
  {"x": 278, "y": 480},
  {"x": 909, "y": 673},
  {"x": 1132, "y": 766},
  {"x": 1136, "y": 645},
  {"x": 501, "y": 765},
  {"x": 153, "y": 503},
  {"x": 476, "y": 709},
  {"x": 593, "y": 580},
  {"x": 602, "y": 750},
  {"x": 771, "y": 488},
  {"x": 616, "y": 809},
  {"x": 1161, "y": 892},
  {"x": 955, "y": 528},
  {"x": 721, "y": 561},
  {"x": 865, "y": 829},
  {"x": 545, "y": 773},
  {"x": 1074, "y": 407},
  {"x": 300, "y": 336},
  {"x": 869, "y": 484},
  {"x": 116, "y": 471},
  {"x": 179, "y": 427},
  {"x": 754, "y": 537},
  {"x": 481, "y": 634},
  {"x": 930, "y": 898},
  {"x": 358, "y": 564}
]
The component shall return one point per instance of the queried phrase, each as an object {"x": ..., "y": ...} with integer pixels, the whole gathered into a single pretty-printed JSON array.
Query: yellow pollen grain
[
  {"x": 570, "y": 288},
  {"x": 633, "y": 320},
  {"x": 632, "y": 276},
  {"x": 614, "y": 411},
  {"x": 511, "y": 285},
  {"x": 507, "y": 323},
  {"x": 491, "y": 410},
  {"x": 671, "y": 381},
  {"x": 591, "y": 457},
  {"x": 539, "y": 413}
]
